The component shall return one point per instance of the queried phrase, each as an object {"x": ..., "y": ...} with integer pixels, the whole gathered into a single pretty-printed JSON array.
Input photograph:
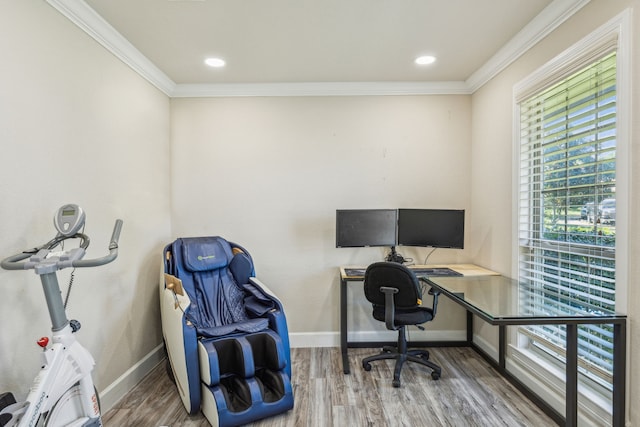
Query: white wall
[
  {"x": 269, "y": 173},
  {"x": 491, "y": 192},
  {"x": 78, "y": 126}
]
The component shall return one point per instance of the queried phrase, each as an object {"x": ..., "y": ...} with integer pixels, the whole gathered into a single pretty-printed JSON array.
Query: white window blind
[{"x": 567, "y": 207}]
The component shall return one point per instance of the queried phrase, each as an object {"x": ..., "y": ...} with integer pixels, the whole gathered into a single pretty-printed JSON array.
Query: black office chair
[{"x": 395, "y": 293}]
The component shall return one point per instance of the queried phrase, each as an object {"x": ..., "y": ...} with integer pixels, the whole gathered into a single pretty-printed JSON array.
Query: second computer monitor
[{"x": 438, "y": 228}]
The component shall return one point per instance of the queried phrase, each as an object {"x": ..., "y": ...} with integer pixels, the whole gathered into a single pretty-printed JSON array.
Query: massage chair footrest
[
  {"x": 241, "y": 356},
  {"x": 238, "y": 401}
]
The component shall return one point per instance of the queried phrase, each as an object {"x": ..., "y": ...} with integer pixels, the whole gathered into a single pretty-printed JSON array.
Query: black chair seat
[{"x": 405, "y": 317}]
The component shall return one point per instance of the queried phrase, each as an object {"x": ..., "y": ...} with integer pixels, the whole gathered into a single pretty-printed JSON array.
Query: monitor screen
[
  {"x": 366, "y": 227},
  {"x": 438, "y": 228}
]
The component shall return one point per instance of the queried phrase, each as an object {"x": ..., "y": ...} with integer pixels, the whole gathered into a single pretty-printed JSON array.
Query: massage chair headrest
[
  {"x": 212, "y": 253},
  {"x": 205, "y": 253}
]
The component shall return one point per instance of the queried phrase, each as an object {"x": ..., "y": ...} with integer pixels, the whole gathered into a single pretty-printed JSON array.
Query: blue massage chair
[{"x": 226, "y": 334}]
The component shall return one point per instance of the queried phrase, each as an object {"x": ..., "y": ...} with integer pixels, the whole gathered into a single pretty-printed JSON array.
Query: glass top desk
[
  {"x": 351, "y": 274},
  {"x": 502, "y": 301}
]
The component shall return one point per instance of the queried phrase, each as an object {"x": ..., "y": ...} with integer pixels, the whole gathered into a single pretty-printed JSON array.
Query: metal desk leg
[
  {"x": 343, "y": 326},
  {"x": 502, "y": 347},
  {"x": 571, "y": 415},
  {"x": 619, "y": 372}
]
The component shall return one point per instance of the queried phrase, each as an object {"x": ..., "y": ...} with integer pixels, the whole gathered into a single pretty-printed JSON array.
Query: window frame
[
  {"x": 615, "y": 33},
  {"x": 554, "y": 122}
]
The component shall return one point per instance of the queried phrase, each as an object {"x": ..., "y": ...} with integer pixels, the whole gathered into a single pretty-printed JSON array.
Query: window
[{"x": 567, "y": 205}]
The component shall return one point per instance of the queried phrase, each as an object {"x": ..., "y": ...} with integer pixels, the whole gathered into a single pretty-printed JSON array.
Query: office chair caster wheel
[
  {"x": 435, "y": 375},
  {"x": 366, "y": 366},
  {"x": 396, "y": 383}
]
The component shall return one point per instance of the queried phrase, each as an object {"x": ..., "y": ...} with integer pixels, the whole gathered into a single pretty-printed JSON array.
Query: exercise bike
[{"x": 63, "y": 393}]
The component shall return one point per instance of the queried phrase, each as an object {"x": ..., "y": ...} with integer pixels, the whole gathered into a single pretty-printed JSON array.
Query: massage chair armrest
[{"x": 265, "y": 289}]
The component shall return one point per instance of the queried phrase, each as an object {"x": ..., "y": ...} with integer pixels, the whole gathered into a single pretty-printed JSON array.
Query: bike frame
[{"x": 66, "y": 365}]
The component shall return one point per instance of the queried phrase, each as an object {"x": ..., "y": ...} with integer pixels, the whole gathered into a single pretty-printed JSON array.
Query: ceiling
[{"x": 315, "y": 41}]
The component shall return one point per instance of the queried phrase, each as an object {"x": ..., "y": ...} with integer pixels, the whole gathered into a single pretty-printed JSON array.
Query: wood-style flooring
[{"x": 469, "y": 393}]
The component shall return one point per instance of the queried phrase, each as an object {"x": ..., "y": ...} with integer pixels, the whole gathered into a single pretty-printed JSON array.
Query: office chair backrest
[{"x": 392, "y": 275}]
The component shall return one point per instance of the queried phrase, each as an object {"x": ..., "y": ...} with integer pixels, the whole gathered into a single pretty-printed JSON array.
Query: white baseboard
[
  {"x": 486, "y": 346},
  {"x": 123, "y": 384},
  {"x": 314, "y": 339}
]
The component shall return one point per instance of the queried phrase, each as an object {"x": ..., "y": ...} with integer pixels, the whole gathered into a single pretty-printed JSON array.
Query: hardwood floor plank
[{"x": 469, "y": 393}]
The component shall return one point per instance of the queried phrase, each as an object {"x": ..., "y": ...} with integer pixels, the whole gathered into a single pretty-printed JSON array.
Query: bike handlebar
[
  {"x": 13, "y": 262},
  {"x": 113, "y": 250}
]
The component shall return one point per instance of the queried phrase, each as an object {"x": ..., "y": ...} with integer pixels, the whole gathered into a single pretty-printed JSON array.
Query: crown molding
[
  {"x": 82, "y": 15},
  {"x": 548, "y": 20},
  {"x": 320, "y": 89}
]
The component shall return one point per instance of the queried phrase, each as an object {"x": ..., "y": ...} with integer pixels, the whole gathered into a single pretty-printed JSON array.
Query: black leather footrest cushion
[
  {"x": 231, "y": 357},
  {"x": 271, "y": 385},
  {"x": 268, "y": 350},
  {"x": 237, "y": 393}
]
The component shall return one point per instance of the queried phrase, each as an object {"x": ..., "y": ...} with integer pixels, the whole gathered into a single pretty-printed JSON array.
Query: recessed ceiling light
[
  {"x": 215, "y": 62},
  {"x": 425, "y": 60}
]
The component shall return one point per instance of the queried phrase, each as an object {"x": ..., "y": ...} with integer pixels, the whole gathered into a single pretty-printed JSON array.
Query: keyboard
[
  {"x": 419, "y": 272},
  {"x": 435, "y": 272}
]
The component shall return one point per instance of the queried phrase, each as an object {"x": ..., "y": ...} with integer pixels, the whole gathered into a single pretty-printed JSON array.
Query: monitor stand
[{"x": 394, "y": 256}]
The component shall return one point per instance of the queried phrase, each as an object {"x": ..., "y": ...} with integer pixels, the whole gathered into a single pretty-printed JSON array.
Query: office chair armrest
[
  {"x": 389, "y": 307},
  {"x": 435, "y": 294}
]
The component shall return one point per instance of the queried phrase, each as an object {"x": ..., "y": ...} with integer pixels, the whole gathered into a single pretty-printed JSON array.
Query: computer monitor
[
  {"x": 366, "y": 227},
  {"x": 437, "y": 228}
]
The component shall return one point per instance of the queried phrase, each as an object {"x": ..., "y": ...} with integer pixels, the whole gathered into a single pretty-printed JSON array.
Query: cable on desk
[{"x": 428, "y": 255}]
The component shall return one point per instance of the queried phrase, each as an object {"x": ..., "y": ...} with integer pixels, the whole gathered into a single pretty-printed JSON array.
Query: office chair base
[{"x": 417, "y": 356}]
